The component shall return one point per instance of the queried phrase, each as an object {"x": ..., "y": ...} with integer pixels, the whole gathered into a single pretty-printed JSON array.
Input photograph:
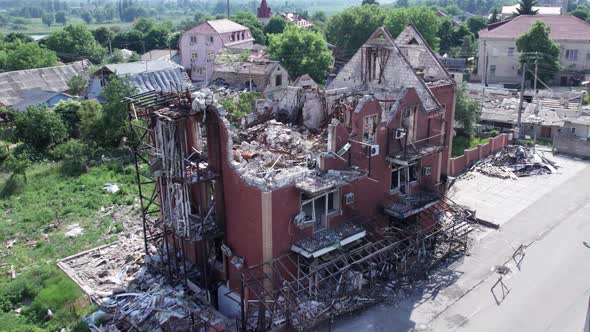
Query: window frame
[
  {"x": 335, "y": 200},
  {"x": 571, "y": 55},
  {"x": 370, "y": 139},
  {"x": 510, "y": 51},
  {"x": 409, "y": 179},
  {"x": 279, "y": 80}
]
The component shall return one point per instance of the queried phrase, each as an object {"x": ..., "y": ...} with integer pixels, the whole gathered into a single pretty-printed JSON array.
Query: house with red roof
[{"x": 498, "y": 55}]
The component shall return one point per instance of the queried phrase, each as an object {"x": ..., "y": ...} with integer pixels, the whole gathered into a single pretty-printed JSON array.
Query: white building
[{"x": 497, "y": 48}]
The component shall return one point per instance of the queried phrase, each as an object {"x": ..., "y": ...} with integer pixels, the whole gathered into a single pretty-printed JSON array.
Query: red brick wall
[{"x": 459, "y": 164}]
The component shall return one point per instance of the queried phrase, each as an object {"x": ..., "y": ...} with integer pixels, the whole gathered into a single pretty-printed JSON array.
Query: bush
[
  {"x": 69, "y": 112},
  {"x": 74, "y": 156},
  {"x": 39, "y": 127}
]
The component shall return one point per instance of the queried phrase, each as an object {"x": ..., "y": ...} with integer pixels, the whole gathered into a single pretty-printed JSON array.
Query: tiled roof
[
  {"x": 225, "y": 25},
  {"x": 13, "y": 83},
  {"x": 563, "y": 27}
]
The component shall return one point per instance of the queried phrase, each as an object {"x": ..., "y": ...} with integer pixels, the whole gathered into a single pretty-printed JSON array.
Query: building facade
[
  {"x": 199, "y": 46},
  {"x": 289, "y": 213},
  {"x": 499, "y": 57}
]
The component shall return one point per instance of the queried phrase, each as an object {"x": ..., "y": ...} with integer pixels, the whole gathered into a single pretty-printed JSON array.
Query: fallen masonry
[{"x": 514, "y": 161}]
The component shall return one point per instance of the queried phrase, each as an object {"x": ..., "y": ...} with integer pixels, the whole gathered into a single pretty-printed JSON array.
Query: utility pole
[
  {"x": 535, "y": 82},
  {"x": 519, "y": 122},
  {"x": 110, "y": 48},
  {"x": 228, "y": 9}
]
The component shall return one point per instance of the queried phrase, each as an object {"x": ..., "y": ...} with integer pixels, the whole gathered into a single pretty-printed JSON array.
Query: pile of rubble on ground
[
  {"x": 514, "y": 161},
  {"x": 152, "y": 305}
]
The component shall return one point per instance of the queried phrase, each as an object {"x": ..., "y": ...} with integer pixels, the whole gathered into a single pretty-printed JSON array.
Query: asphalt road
[{"x": 548, "y": 291}]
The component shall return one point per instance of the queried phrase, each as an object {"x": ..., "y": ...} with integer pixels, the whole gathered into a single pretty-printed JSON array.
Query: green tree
[
  {"x": 114, "y": 121},
  {"x": 157, "y": 38},
  {"x": 91, "y": 122},
  {"x": 319, "y": 16},
  {"x": 445, "y": 36},
  {"x": 581, "y": 13},
  {"x": 421, "y": 16},
  {"x": 144, "y": 25},
  {"x": 69, "y": 112},
  {"x": 86, "y": 16},
  {"x": 402, "y": 3},
  {"x": 39, "y": 127},
  {"x": 350, "y": 28},
  {"x": 256, "y": 28},
  {"x": 276, "y": 24},
  {"x": 30, "y": 55},
  {"x": 130, "y": 40},
  {"x": 103, "y": 35},
  {"x": 467, "y": 111},
  {"x": 525, "y": 7},
  {"x": 17, "y": 165},
  {"x": 453, "y": 10},
  {"x": 48, "y": 19},
  {"x": 494, "y": 16},
  {"x": 60, "y": 17},
  {"x": 476, "y": 23},
  {"x": 76, "y": 42},
  {"x": 77, "y": 84},
  {"x": 370, "y": 2},
  {"x": 536, "y": 45},
  {"x": 301, "y": 52}
]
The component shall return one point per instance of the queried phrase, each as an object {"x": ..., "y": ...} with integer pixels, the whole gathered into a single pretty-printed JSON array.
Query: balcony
[
  {"x": 327, "y": 240},
  {"x": 414, "y": 152},
  {"x": 411, "y": 204},
  {"x": 323, "y": 181}
]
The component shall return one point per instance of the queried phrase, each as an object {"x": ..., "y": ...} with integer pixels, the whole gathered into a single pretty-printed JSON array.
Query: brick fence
[{"x": 459, "y": 164}]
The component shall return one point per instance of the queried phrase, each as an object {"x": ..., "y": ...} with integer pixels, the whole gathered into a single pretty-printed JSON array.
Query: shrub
[
  {"x": 39, "y": 127},
  {"x": 74, "y": 156},
  {"x": 69, "y": 112}
]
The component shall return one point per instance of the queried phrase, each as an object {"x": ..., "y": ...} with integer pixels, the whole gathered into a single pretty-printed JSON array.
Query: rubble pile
[
  {"x": 272, "y": 152},
  {"x": 514, "y": 161},
  {"x": 159, "y": 307}
]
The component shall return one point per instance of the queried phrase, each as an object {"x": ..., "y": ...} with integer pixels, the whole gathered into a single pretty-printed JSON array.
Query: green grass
[
  {"x": 36, "y": 215},
  {"x": 461, "y": 143}
]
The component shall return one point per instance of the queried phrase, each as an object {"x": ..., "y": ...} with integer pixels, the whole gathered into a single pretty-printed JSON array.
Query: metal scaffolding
[
  {"x": 167, "y": 167},
  {"x": 292, "y": 290}
]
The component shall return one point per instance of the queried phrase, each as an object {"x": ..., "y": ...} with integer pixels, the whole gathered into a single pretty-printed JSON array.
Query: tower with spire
[{"x": 264, "y": 13}]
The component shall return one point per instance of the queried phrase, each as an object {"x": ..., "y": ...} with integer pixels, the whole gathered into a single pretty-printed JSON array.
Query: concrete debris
[
  {"x": 74, "y": 231},
  {"x": 273, "y": 154},
  {"x": 111, "y": 188},
  {"x": 160, "y": 307},
  {"x": 514, "y": 161}
]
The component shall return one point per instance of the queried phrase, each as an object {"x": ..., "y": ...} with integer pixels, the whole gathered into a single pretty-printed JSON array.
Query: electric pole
[
  {"x": 519, "y": 121},
  {"x": 228, "y": 9},
  {"x": 535, "y": 82}
]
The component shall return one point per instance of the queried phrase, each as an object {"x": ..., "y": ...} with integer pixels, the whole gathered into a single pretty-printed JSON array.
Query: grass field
[{"x": 33, "y": 220}]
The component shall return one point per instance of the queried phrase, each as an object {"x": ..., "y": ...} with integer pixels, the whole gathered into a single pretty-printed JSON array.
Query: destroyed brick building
[{"x": 322, "y": 194}]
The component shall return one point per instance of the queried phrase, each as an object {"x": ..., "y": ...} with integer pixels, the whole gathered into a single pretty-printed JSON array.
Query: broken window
[
  {"x": 401, "y": 176},
  {"x": 573, "y": 130},
  {"x": 369, "y": 128},
  {"x": 209, "y": 40},
  {"x": 278, "y": 80},
  {"x": 372, "y": 64},
  {"x": 571, "y": 55},
  {"x": 413, "y": 172},
  {"x": 194, "y": 39},
  {"x": 317, "y": 209},
  {"x": 493, "y": 70},
  {"x": 510, "y": 51}
]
